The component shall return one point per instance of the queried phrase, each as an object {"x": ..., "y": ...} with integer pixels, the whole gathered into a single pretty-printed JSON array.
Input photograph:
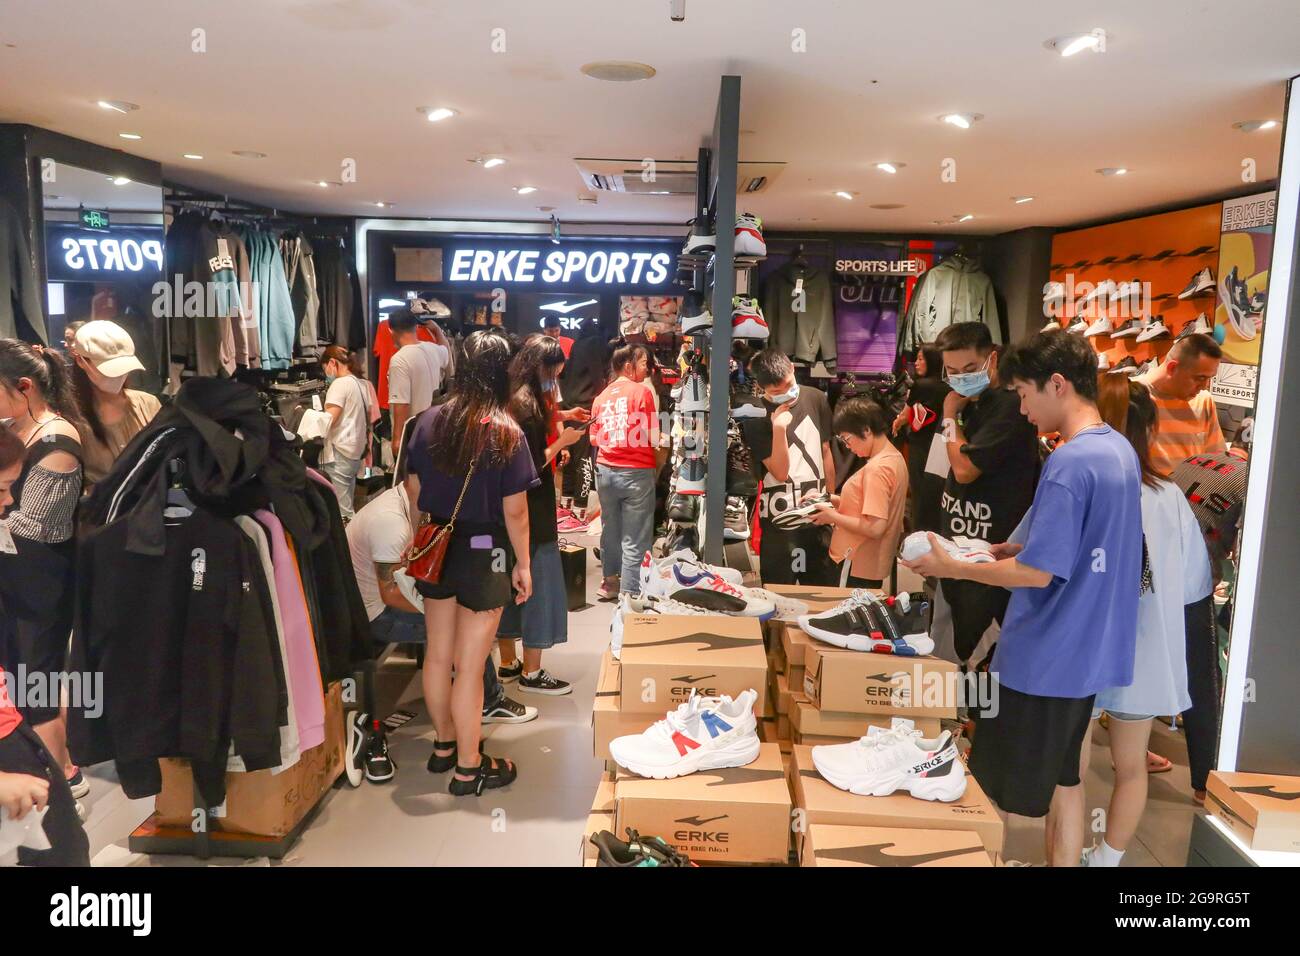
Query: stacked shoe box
[
  {"x": 1262, "y": 809},
  {"x": 900, "y": 825},
  {"x": 788, "y": 648},
  {"x": 600, "y": 818}
]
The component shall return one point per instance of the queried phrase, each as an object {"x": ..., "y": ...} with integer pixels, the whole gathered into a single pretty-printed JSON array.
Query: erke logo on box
[{"x": 75, "y": 909}]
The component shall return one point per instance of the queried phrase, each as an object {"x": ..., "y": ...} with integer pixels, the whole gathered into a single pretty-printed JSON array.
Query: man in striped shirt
[{"x": 1187, "y": 421}]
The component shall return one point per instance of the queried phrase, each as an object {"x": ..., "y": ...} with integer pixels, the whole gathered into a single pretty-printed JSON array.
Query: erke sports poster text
[{"x": 1245, "y": 255}]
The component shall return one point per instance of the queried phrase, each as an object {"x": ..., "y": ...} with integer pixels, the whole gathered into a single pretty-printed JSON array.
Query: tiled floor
[{"x": 539, "y": 820}]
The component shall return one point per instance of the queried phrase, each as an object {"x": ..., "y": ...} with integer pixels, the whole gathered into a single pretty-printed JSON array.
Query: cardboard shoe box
[
  {"x": 736, "y": 815},
  {"x": 664, "y": 657},
  {"x": 794, "y": 647},
  {"x": 1263, "y": 809},
  {"x": 607, "y": 717},
  {"x": 823, "y": 803},
  {"x": 827, "y": 845},
  {"x": 600, "y": 818},
  {"x": 856, "y": 683},
  {"x": 808, "y": 721}
]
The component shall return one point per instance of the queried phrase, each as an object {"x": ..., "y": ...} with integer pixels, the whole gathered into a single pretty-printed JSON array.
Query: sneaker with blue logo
[
  {"x": 685, "y": 581},
  {"x": 874, "y": 624},
  {"x": 705, "y": 733}
]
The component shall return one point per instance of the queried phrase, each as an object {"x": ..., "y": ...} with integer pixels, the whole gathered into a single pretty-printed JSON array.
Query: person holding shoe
[
  {"x": 543, "y": 620},
  {"x": 469, "y": 460},
  {"x": 347, "y": 401}
]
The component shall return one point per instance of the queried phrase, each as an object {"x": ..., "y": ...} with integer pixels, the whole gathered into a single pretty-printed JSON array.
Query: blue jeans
[
  {"x": 406, "y": 627},
  {"x": 627, "y": 515},
  {"x": 342, "y": 474}
]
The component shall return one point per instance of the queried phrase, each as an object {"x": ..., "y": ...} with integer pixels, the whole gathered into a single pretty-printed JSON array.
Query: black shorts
[
  {"x": 476, "y": 571},
  {"x": 23, "y": 752},
  {"x": 1029, "y": 748},
  {"x": 40, "y": 648},
  {"x": 801, "y": 556}
]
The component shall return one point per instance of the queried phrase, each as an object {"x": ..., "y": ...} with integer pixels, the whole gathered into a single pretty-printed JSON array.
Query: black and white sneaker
[
  {"x": 745, "y": 406},
  {"x": 735, "y": 520},
  {"x": 683, "y": 508},
  {"x": 544, "y": 683},
  {"x": 798, "y": 516},
  {"x": 379, "y": 765},
  {"x": 79, "y": 784},
  {"x": 508, "y": 711},
  {"x": 695, "y": 394},
  {"x": 695, "y": 313},
  {"x": 1203, "y": 281},
  {"x": 510, "y": 672},
  {"x": 1201, "y": 326},
  {"x": 867, "y": 622},
  {"x": 701, "y": 240},
  {"x": 354, "y": 766}
]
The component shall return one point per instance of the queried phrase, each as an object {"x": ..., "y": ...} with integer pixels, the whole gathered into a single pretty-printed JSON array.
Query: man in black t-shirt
[
  {"x": 792, "y": 456},
  {"x": 993, "y": 459}
]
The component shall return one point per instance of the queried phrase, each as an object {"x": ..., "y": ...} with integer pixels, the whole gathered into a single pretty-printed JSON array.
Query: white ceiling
[{"x": 313, "y": 83}]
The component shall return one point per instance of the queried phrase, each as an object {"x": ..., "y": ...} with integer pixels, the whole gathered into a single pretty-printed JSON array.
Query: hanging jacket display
[
  {"x": 300, "y": 271},
  {"x": 341, "y": 318},
  {"x": 956, "y": 290},
  {"x": 276, "y": 322},
  {"x": 807, "y": 334},
  {"x": 20, "y": 291}
]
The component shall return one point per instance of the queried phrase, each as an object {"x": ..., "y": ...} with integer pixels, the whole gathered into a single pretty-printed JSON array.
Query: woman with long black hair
[
  {"x": 470, "y": 452},
  {"x": 543, "y": 621},
  {"x": 920, "y": 418},
  {"x": 36, "y": 573}
]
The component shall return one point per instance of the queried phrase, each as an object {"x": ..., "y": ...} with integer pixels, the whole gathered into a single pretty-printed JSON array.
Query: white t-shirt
[
  {"x": 379, "y": 534},
  {"x": 347, "y": 439},
  {"x": 415, "y": 375},
  {"x": 1180, "y": 575}
]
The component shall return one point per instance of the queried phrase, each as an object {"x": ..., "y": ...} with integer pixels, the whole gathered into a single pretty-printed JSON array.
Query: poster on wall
[
  {"x": 867, "y": 304},
  {"x": 1245, "y": 255}
]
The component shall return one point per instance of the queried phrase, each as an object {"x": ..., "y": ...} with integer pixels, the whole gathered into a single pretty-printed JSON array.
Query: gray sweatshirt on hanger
[{"x": 806, "y": 335}]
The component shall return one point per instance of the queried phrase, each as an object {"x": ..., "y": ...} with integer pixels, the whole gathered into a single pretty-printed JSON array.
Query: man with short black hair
[
  {"x": 1187, "y": 420},
  {"x": 414, "y": 374},
  {"x": 993, "y": 466},
  {"x": 792, "y": 454},
  {"x": 551, "y": 327},
  {"x": 1071, "y": 625}
]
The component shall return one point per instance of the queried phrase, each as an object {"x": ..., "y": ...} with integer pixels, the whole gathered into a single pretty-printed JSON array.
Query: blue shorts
[
  {"x": 1120, "y": 715},
  {"x": 543, "y": 620},
  {"x": 398, "y": 627}
]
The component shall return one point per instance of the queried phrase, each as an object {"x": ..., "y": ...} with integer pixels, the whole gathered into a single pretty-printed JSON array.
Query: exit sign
[{"x": 94, "y": 219}]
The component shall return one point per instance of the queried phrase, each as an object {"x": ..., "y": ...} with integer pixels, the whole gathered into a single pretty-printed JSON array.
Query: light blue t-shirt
[{"x": 1076, "y": 636}]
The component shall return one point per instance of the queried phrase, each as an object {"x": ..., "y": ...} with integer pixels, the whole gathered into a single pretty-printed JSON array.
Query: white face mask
[{"x": 112, "y": 386}]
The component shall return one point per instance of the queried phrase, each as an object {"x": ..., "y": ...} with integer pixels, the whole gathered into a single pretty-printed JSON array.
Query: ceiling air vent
[{"x": 664, "y": 177}]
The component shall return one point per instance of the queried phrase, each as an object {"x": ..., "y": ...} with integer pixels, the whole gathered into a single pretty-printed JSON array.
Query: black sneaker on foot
[
  {"x": 508, "y": 711},
  {"x": 544, "y": 683},
  {"x": 379, "y": 765},
  {"x": 510, "y": 672}
]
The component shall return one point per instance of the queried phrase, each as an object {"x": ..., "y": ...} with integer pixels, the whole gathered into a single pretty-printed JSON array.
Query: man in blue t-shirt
[{"x": 1071, "y": 625}]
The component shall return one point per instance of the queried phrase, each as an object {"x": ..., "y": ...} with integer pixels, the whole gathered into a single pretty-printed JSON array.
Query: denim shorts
[
  {"x": 543, "y": 620},
  {"x": 1120, "y": 715}
]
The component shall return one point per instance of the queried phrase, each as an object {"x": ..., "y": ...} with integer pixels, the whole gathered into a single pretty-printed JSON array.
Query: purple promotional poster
[{"x": 866, "y": 307}]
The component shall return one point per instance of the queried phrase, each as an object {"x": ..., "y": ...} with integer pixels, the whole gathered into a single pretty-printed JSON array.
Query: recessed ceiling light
[
  {"x": 1113, "y": 170},
  {"x": 130, "y": 135},
  {"x": 383, "y": 205},
  {"x": 525, "y": 190},
  {"x": 1021, "y": 200},
  {"x": 493, "y": 162},
  {"x": 843, "y": 195},
  {"x": 890, "y": 168},
  {"x": 117, "y": 106},
  {"x": 1078, "y": 42},
  {"x": 192, "y": 156},
  {"x": 249, "y": 153},
  {"x": 322, "y": 184},
  {"x": 618, "y": 71},
  {"x": 436, "y": 114},
  {"x": 1251, "y": 126},
  {"x": 546, "y": 209},
  {"x": 966, "y": 218},
  {"x": 121, "y": 181},
  {"x": 886, "y": 205},
  {"x": 961, "y": 120}
]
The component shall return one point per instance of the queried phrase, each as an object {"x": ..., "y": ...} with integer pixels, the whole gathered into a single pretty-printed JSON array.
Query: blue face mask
[
  {"x": 789, "y": 396},
  {"x": 970, "y": 384}
]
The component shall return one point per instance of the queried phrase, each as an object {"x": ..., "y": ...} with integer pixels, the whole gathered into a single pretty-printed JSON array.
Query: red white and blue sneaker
[
  {"x": 749, "y": 236},
  {"x": 705, "y": 733},
  {"x": 879, "y": 625},
  {"x": 885, "y": 762},
  {"x": 747, "y": 320},
  {"x": 649, "y": 562}
]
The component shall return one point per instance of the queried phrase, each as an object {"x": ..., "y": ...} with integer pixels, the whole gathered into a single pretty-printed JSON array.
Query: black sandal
[
  {"x": 439, "y": 764},
  {"x": 491, "y": 773}
]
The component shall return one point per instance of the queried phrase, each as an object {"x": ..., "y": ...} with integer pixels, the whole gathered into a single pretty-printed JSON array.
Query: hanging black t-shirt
[{"x": 1003, "y": 445}]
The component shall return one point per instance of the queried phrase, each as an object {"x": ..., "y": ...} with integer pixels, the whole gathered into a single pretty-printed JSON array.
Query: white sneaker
[
  {"x": 694, "y": 394},
  {"x": 898, "y": 759},
  {"x": 692, "y": 583},
  {"x": 685, "y": 555},
  {"x": 1202, "y": 326},
  {"x": 918, "y": 543},
  {"x": 1203, "y": 281},
  {"x": 1078, "y": 325},
  {"x": 747, "y": 320},
  {"x": 1101, "y": 327},
  {"x": 1156, "y": 329},
  {"x": 705, "y": 733},
  {"x": 1054, "y": 293},
  {"x": 1051, "y": 326},
  {"x": 787, "y": 608},
  {"x": 749, "y": 236},
  {"x": 1128, "y": 330},
  {"x": 1102, "y": 292}
]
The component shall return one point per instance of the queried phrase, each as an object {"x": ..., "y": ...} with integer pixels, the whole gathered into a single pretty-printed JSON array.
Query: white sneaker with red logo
[
  {"x": 705, "y": 733},
  {"x": 689, "y": 583},
  {"x": 749, "y": 236},
  {"x": 897, "y": 759},
  {"x": 747, "y": 320}
]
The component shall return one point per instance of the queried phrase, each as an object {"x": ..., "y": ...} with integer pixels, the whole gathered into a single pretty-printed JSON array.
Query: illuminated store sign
[
  {"x": 574, "y": 266},
  {"x": 72, "y": 252}
]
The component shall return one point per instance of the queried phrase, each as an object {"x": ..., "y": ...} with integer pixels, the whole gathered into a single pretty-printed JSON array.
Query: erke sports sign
[
  {"x": 75, "y": 253},
  {"x": 577, "y": 265}
]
